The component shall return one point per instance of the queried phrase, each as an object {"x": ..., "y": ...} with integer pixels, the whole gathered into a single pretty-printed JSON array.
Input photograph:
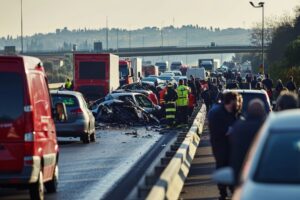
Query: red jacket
[{"x": 192, "y": 101}]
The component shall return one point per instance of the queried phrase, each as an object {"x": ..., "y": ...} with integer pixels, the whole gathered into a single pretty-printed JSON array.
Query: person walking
[
  {"x": 182, "y": 103},
  {"x": 220, "y": 118},
  {"x": 170, "y": 98},
  {"x": 291, "y": 86},
  {"x": 242, "y": 134}
]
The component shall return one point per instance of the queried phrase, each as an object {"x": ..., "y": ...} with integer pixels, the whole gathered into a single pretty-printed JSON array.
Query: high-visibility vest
[
  {"x": 68, "y": 85},
  {"x": 183, "y": 95}
]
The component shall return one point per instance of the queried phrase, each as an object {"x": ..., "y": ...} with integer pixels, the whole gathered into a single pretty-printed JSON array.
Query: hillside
[{"x": 63, "y": 39}]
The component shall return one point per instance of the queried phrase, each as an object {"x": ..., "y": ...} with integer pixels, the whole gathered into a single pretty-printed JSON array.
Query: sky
[{"x": 42, "y": 16}]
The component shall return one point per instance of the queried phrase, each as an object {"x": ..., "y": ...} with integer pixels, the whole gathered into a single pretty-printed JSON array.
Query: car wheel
[
  {"x": 51, "y": 186},
  {"x": 85, "y": 138},
  {"x": 36, "y": 190},
  {"x": 93, "y": 137}
]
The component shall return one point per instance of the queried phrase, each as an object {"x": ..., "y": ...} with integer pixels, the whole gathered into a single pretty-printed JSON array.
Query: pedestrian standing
[
  {"x": 253, "y": 83},
  {"x": 287, "y": 100},
  {"x": 279, "y": 87},
  {"x": 291, "y": 86},
  {"x": 182, "y": 103},
  {"x": 268, "y": 85},
  {"x": 68, "y": 84},
  {"x": 170, "y": 98},
  {"x": 220, "y": 118},
  {"x": 242, "y": 134}
]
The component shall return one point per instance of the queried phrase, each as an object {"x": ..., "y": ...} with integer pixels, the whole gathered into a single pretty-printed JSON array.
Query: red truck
[
  {"x": 96, "y": 75},
  {"x": 126, "y": 72},
  {"x": 148, "y": 70},
  {"x": 28, "y": 145}
]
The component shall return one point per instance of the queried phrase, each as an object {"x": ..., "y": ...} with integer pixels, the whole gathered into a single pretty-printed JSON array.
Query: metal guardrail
[{"x": 172, "y": 178}]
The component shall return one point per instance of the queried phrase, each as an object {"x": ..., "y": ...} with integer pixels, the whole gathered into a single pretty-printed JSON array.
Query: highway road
[{"x": 90, "y": 171}]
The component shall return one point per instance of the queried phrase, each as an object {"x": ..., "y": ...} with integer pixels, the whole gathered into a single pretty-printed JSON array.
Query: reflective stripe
[
  {"x": 170, "y": 109},
  {"x": 170, "y": 116}
]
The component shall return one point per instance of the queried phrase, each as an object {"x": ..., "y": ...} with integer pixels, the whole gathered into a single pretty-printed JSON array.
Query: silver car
[
  {"x": 272, "y": 169},
  {"x": 80, "y": 120}
]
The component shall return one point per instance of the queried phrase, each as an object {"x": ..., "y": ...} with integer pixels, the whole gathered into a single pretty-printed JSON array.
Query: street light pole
[
  {"x": 261, "y": 5},
  {"x": 262, "y": 36},
  {"x": 21, "y": 26}
]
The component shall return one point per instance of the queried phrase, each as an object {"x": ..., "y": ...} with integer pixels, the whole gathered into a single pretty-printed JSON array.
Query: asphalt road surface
[{"x": 90, "y": 171}]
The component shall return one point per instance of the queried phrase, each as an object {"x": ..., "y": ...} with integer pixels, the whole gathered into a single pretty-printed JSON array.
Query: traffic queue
[{"x": 31, "y": 116}]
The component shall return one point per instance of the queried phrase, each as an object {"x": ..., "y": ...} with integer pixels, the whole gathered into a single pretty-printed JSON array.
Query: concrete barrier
[
  {"x": 54, "y": 86},
  {"x": 171, "y": 180}
]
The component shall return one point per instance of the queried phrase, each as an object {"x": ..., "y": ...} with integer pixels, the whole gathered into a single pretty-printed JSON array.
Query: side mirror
[
  {"x": 224, "y": 176},
  {"x": 157, "y": 107},
  {"x": 60, "y": 112}
]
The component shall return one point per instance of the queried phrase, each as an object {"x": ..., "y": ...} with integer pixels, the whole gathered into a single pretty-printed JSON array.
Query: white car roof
[
  {"x": 246, "y": 91},
  {"x": 288, "y": 119}
]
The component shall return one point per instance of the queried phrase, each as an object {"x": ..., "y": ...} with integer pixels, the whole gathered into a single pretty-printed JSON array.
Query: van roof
[{"x": 30, "y": 63}]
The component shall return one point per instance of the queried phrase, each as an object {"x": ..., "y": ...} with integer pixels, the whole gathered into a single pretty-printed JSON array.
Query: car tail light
[{"x": 76, "y": 111}]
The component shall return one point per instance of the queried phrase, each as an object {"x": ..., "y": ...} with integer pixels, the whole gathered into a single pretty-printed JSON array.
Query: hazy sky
[{"x": 42, "y": 16}]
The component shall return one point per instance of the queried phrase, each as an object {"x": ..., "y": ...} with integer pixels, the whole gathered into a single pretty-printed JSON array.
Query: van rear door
[{"x": 12, "y": 97}]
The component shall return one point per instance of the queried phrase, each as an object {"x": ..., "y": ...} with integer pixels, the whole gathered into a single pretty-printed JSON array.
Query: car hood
[{"x": 258, "y": 191}]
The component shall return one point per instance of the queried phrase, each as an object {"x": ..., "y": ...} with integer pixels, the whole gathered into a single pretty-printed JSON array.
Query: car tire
[
  {"x": 85, "y": 138},
  {"x": 93, "y": 137},
  {"x": 51, "y": 186},
  {"x": 36, "y": 190}
]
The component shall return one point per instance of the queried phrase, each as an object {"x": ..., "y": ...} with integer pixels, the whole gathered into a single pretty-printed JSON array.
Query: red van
[{"x": 28, "y": 145}]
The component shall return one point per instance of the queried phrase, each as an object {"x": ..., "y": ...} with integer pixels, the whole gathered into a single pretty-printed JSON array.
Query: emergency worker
[
  {"x": 68, "y": 84},
  {"x": 182, "y": 103},
  {"x": 170, "y": 98}
]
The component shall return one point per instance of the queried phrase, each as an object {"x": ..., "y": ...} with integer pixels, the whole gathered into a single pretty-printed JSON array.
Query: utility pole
[
  {"x": 22, "y": 26},
  {"x": 261, "y": 5},
  {"x": 129, "y": 38},
  {"x": 186, "y": 44},
  {"x": 106, "y": 34},
  {"x": 117, "y": 40}
]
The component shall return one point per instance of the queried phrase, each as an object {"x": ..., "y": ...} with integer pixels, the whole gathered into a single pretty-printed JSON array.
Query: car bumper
[
  {"x": 29, "y": 174},
  {"x": 75, "y": 129}
]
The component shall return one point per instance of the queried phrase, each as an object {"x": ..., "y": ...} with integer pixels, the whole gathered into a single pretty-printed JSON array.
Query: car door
[{"x": 91, "y": 118}]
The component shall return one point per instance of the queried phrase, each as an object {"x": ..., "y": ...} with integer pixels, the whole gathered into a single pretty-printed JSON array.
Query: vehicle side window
[
  {"x": 41, "y": 99},
  {"x": 143, "y": 101},
  {"x": 126, "y": 98}
]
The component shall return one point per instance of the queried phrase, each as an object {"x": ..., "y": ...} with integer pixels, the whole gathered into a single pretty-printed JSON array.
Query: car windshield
[
  {"x": 280, "y": 160},
  {"x": 11, "y": 96},
  {"x": 143, "y": 101},
  {"x": 123, "y": 69},
  {"x": 166, "y": 78},
  {"x": 68, "y": 100},
  {"x": 151, "y": 79},
  {"x": 247, "y": 97}
]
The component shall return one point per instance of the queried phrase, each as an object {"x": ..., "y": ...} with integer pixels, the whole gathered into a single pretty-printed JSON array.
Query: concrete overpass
[{"x": 161, "y": 51}]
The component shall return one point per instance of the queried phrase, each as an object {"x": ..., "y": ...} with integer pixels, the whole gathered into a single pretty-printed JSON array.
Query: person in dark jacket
[
  {"x": 220, "y": 118},
  {"x": 287, "y": 100},
  {"x": 242, "y": 134},
  {"x": 170, "y": 98},
  {"x": 253, "y": 83},
  {"x": 291, "y": 86},
  {"x": 268, "y": 85},
  {"x": 279, "y": 87}
]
